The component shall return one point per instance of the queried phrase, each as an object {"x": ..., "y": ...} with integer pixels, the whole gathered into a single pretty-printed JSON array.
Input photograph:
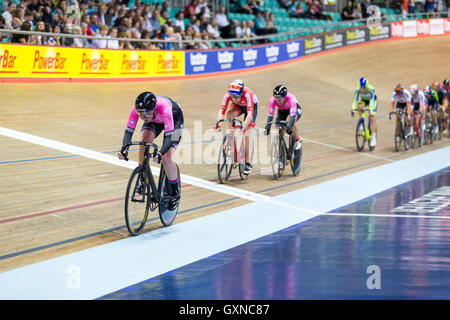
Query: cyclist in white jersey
[
  {"x": 401, "y": 99},
  {"x": 418, "y": 102}
]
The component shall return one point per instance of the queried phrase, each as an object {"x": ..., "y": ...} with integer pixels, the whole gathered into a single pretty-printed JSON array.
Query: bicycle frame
[{"x": 367, "y": 132}]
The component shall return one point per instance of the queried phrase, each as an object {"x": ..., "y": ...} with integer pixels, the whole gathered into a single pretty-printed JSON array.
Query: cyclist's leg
[
  {"x": 149, "y": 132},
  {"x": 170, "y": 167},
  {"x": 249, "y": 140},
  {"x": 232, "y": 112},
  {"x": 295, "y": 131}
]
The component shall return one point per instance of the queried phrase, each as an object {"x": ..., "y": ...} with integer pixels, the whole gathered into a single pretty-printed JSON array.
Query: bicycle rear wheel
[
  {"x": 165, "y": 215},
  {"x": 407, "y": 137},
  {"x": 360, "y": 135},
  {"x": 226, "y": 159},
  {"x": 277, "y": 156},
  {"x": 137, "y": 201}
]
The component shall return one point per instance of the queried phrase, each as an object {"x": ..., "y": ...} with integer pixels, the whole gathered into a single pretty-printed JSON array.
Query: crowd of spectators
[
  {"x": 308, "y": 9},
  {"x": 118, "y": 19}
]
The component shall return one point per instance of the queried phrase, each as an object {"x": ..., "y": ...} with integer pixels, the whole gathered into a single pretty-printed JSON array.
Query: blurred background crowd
[{"x": 157, "y": 20}]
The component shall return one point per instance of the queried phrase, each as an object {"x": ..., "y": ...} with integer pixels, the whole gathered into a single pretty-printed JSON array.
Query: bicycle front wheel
[
  {"x": 277, "y": 156},
  {"x": 137, "y": 201},
  {"x": 226, "y": 159},
  {"x": 398, "y": 136},
  {"x": 360, "y": 135}
]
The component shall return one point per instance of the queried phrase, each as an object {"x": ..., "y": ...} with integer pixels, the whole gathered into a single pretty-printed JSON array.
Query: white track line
[{"x": 212, "y": 186}]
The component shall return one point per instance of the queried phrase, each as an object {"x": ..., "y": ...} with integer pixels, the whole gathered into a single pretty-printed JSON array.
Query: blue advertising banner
[{"x": 200, "y": 62}]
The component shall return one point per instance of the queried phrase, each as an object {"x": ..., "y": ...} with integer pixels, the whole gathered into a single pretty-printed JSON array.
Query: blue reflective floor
[{"x": 328, "y": 257}]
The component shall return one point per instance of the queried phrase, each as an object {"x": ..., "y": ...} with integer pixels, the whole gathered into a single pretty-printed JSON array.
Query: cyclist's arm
[
  {"x": 223, "y": 107},
  {"x": 250, "y": 110},
  {"x": 355, "y": 100},
  {"x": 271, "y": 109},
  {"x": 131, "y": 126},
  {"x": 169, "y": 127}
]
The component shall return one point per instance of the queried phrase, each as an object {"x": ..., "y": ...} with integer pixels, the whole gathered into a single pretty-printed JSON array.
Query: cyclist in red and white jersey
[
  {"x": 240, "y": 100},
  {"x": 401, "y": 99},
  {"x": 287, "y": 105}
]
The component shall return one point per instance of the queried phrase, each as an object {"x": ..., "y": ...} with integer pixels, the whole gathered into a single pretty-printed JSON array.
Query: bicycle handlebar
[
  {"x": 140, "y": 143},
  {"x": 280, "y": 123},
  {"x": 234, "y": 121}
]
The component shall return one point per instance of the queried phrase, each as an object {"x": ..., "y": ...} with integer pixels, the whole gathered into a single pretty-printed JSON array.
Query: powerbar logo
[
  {"x": 198, "y": 61},
  {"x": 313, "y": 45},
  {"x": 292, "y": 49},
  {"x": 423, "y": 27},
  {"x": 356, "y": 36},
  {"x": 225, "y": 59},
  {"x": 272, "y": 53},
  {"x": 7, "y": 60},
  {"x": 250, "y": 57},
  {"x": 94, "y": 64},
  {"x": 381, "y": 32},
  {"x": 334, "y": 40}
]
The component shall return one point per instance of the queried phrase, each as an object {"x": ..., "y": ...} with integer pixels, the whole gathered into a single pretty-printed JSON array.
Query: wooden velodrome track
[{"x": 53, "y": 203}]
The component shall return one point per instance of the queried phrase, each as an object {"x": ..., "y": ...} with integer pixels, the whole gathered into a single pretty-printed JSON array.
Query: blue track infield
[{"x": 331, "y": 257}]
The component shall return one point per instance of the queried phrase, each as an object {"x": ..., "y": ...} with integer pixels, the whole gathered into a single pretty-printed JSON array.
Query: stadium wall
[{"x": 43, "y": 63}]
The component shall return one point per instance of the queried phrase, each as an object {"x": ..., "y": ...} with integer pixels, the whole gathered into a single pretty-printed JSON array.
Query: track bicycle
[
  {"x": 363, "y": 130},
  {"x": 418, "y": 134},
  {"x": 142, "y": 194},
  {"x": 280, "y": 153},
  {"x": 230, "y": 156},
  {"x": 402, "y": 130}
]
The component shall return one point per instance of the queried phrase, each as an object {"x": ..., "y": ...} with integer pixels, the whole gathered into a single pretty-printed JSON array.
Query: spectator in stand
[
  {"x": 213, "y": 29},
  {"x": 110, "y": 16},
  {"x": 179, "y": 21},
  {"x": 67, "y": 41},
  {"x": 93, "y": 24},
  {"x": 29, "y": 17},
  {"x": 113, "y": 44},
  {"x": 101, "y": 43},
  {"x": 22, "y": 38},
  {"x": 430, "y": 6},
  {"x": 240, "y": 6},
  {"x": 189, "y": 10},
  {"x": 101, "y": 13},
  {"x": 40, "y": 39},
  {"x": 347, "y": 11},
  {"x": 253, "y": 5},
  {"x": 168, "y": 35},
  {"x": 241, "y": 29},
  {"x": 203, "y": 23},
  {"x": 284, "y": 3},
  {"x": 260, "y": 24},
  {"x": 124, "y": 44},
  {"x": 189, "y": 35},
  {"x": 155, "y": 21},
  {"x": 205, "y": 44},
  {"x": 55, "y": 40},
  {"x": 233, "y": 25},
  {"x": 79, "y": 42},
  {"x": 222, "y": 22},
  {"x": 7, "y": 15},
  {"x": 203, "y": 8},
  {"x": 297, "y": 11}
]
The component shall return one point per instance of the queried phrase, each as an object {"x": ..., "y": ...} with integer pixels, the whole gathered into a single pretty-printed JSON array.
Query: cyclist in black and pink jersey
[
  {"x": 401, "y": 99},
  {"x": 159, "y": 113},
  {"x": 240, "y": 100},
  {"x": 287, "y": 105}
]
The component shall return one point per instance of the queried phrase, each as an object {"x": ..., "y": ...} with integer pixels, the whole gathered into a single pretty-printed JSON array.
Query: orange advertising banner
[{"x": 25, "y": 61}]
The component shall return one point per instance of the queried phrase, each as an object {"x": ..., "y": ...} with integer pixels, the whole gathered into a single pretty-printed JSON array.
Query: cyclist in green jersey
[{"x": 365, "y": 96}]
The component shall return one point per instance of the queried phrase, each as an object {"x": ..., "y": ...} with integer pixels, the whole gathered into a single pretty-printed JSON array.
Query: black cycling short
[
  {"x": 178, "y": 124},
  {"x": 416, "y": 106},
  {"x": 283, "y": 114},
  {"x": 243, "y": 110},
  {"x": 401, "y": 105}
]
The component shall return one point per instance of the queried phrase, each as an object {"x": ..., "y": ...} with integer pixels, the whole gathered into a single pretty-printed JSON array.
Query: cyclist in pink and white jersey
[
  {"x": 159, "y": 113},
  {"x": 287, "y": 105}
]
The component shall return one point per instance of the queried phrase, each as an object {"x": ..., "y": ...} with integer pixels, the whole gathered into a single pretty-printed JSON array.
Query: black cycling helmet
[
  {"x": 280, "y": 91},
  {"x": 445, "y": 83},
  {"x": 146, "y": 101}
]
